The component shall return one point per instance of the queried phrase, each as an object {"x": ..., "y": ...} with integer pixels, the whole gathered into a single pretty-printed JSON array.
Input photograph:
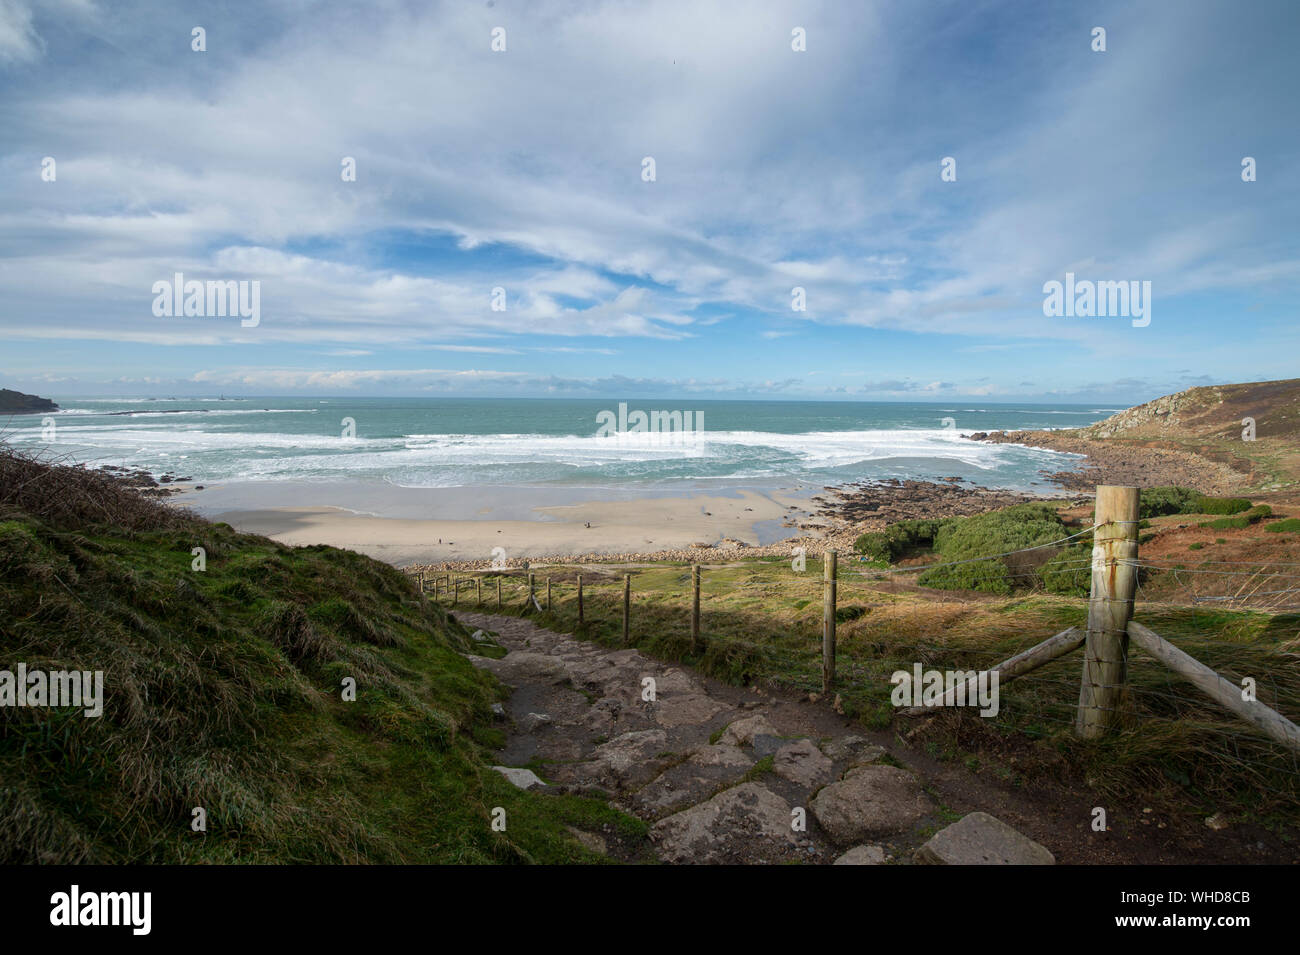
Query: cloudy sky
[{"x": 774, "y": 168}]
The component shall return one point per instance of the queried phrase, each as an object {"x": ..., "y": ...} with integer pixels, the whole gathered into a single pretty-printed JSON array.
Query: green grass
[
  {"x": 1291, "y": 524},
  {"x": 761, "y": 625},
  {"x": 223, "y": 690}
]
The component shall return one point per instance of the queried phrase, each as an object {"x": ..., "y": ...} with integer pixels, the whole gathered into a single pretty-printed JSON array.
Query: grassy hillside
[
  {"x": 223, "y": 690},
  {"x": 1208, "y": 420}
]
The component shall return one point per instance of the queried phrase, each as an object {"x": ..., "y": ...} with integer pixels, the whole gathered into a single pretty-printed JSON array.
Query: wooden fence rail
[{"x": 1105, "y": 639}]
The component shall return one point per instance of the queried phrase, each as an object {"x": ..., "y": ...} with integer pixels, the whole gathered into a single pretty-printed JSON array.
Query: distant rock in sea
[{"x": 15, "y": 402}]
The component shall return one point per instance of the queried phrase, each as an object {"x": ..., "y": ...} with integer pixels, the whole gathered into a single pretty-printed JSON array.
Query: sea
[{"x": 561, "y": 442}]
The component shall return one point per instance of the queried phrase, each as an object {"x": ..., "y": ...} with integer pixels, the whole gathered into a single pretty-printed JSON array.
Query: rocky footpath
[{"x": 723, "y": 775}]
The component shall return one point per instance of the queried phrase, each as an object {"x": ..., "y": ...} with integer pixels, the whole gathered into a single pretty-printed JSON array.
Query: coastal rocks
[
  {"x": 870, "y": 801},
  {"x": 15, "y": 402},
  {"x": 981, "y": 839},
  {"x": 802, "y": 763},
  {"x": 738, "y": 823},
  {"x": 886, "y": 502}
]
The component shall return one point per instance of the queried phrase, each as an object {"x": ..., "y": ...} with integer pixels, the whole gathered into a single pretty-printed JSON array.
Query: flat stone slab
[
  {"x": 523, "y": 778},
  {"x": 692, "y": 781},
  {"x": 856, "y": 749},
  {"x": 685, "y": 709},
  {"x": 802, "y": 762},
  {"x": 742, "y": 732},
  {"x": 870, "y": 801},
  {"x": 862, "y": 855},
  {"x": 524, "y": 666},
  {"x": 736, "y": 825},
  {"x": 981, "y": 839}
]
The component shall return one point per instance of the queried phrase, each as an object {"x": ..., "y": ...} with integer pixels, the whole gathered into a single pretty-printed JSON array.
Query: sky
[{"x": 524, "y": 169}]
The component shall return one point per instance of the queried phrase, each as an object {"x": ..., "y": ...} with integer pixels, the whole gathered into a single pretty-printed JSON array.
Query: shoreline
[{"x": 511, "y": 528}]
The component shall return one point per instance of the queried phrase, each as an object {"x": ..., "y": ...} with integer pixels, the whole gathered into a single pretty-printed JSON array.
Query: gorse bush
[
  {"x": 1217, "y": 505},
  {"x": 1163, "y": 501},
  {"x": 1070, "y": 572},
  {"x": 983, "y": 535}
]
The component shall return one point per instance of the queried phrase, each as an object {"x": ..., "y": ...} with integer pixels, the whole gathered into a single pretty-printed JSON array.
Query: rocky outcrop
[{"x": 15, "y": 402}]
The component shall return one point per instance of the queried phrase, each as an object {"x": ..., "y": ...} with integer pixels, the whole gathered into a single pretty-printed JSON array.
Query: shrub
[
  {"x": 1162, "y": 501},
  {"x": 1069, "y": 572},
  {"x": 1217, "y": 505},
  {"x": 1282, "y": 527},
  {"x": 997, "y": 532},
  {"x": 1241, "y": 520}
]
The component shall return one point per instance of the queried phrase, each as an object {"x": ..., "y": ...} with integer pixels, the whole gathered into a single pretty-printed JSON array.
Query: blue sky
[{"x": 522, "y": 170}]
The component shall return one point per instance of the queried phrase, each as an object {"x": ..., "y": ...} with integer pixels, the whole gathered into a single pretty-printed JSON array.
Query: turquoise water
[{"x": 444, "y": 442}]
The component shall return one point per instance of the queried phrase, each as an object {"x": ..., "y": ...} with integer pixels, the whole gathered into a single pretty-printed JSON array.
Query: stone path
[{"x": 722, "y": 774}]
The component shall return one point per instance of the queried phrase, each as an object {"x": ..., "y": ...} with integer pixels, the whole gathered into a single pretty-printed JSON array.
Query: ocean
[{"x": 448, "y": 442}]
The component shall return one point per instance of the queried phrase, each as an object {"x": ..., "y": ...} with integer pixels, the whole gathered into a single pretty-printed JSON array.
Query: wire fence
[{"x": 773, "y": 628}]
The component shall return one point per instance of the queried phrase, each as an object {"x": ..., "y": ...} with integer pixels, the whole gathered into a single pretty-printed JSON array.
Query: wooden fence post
[
  {"x": 435, "y": 589},
  {"x": 627, "y": 608},
  {"x": 695, "y": 608},
  {"x": 532, "y": 589},
  {"x": 580, "y": 600},
  {"x": 421, "y": 583},
  {"x": 828, "y": 620},
  {"x": 478, "y": 591},
  {"x": 455, "y": 590},
  {"x": 548, "y": 594},
  {"x": 1114, "y": 582},
  {"x": 498, "y": 591}
]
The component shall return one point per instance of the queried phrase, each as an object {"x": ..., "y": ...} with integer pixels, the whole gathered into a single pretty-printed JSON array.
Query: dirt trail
[{"x": 723, "y": 774}]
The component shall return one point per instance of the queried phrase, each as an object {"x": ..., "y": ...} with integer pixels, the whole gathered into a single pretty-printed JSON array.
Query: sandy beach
[{"x": 528, "y": 531}]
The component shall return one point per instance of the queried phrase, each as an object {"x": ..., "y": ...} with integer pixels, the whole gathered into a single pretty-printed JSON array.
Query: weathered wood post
[
  {"x": 422, "y": 582},
  {"x": 627, "y": 609},
  {"x": 695, "y": 608},
  {"x": 532, "y": 589},
  {"x": 435, "y": 589},
  {"x": 1114, "y": 582},
  {"x": 828, "y": 620},
  {"x": 455, "y": 590},
  {"x": 478, "y": 591},
  {"x": 498, "y": 591},
  {"x": 580, "y": 600},
  {"x": 548, "y": 594}
]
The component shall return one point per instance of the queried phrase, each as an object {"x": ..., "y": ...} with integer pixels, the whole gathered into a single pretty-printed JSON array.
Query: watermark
[
  {"x": 1087, "y": 299},
  {"x": 799, "y": 40},
  {"x": 653, "y": 429},
  {"x": 53, "y": 688},
  {"x": 1247, "y": 429},
  {"x": 648, "y": 169},
  {"x": 948, "y": 169},
  {"x": 75, "y": 907},
  {"x": 946, "y": 688},
  {"x": 212, "y": 299}
]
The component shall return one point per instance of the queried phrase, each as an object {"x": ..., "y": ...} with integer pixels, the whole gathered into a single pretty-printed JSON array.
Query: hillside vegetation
[{"x": 223, "y": 690}]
